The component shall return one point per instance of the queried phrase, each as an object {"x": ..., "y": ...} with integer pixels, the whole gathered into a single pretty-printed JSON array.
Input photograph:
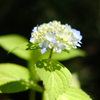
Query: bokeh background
[{"x": 20, "y": 16}]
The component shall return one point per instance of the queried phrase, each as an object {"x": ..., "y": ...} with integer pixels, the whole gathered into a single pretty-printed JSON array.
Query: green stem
[
  {"x": 31, "y": 67},
  {"x": 51, "y": 51},
  {"x": 32, "y": 95}
]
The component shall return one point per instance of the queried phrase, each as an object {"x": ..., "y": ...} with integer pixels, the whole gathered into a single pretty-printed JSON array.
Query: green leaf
[
  {"x": 15, "y": 78},
  {"x": 18, "y": 86},
  {"x": 45, "y": 96},
  {"x": 11, "y": 41},
  {"x": 15, "y": 86},
  {"x": 65, "y": 55},
  {"x": 12, "y": 72},
  {"x": 74, "y": 94},
  {"x": 68, "y": 55},
  {"x": 56, "y": 78},
  {"x": 49, "y": 64},
  {"x": 75, "y": 80}
]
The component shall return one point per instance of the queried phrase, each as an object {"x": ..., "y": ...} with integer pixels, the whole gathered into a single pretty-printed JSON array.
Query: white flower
[{"x": 55, "y": 36}]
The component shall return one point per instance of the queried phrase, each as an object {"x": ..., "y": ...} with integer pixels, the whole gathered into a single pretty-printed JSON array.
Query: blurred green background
[{"x": 20, "y": 16}]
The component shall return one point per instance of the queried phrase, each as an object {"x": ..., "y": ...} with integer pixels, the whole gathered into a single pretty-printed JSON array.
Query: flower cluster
[{"x": 55, "y": 36}]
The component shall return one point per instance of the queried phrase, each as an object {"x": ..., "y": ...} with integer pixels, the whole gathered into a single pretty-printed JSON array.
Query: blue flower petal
[
  {"x": 43, "y": 50},
  {"x": 31, "y": 40},
  {"x": 77, "y": 34},
  {"x": 59, "y": 51},
  {"x": 52, "y": 40}
]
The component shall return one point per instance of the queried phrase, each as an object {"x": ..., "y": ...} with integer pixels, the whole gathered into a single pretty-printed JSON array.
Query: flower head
[{"x": 55, "y": 36}]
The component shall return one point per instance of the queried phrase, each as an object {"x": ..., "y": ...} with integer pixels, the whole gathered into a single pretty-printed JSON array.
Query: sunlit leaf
[
  {"x": 49, "y": 64},
  {"x": 75, "y": 80},
  {"x": 74, "y": 94},
  {"x": 56, "y": 78},
  {"x": 12, "y": 41},
  {"x": 45, "y": 96},
  {"x": 15, "y": 78}
]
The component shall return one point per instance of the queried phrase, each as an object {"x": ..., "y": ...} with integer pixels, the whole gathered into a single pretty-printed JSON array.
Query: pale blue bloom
[{"x": 56, "y": 36}]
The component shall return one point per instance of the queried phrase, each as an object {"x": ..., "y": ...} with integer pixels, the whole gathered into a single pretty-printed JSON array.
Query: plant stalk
[{"x": 51, "y": 51}]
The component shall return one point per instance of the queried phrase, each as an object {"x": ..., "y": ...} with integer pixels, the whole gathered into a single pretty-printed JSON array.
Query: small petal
[
  {"x": 62, "y": 46},
  {"x": 59, "y": 51},
  {"x": 40, "y": 45},
  {"x": 45, "y": 44},
  {"x": 35, "y": 29},
  {"x": 31, "y": 40},
  {"x": 51, "y": 40},
  {"x": 77, "y": 34},
  {"x": 43, "y": 50}
]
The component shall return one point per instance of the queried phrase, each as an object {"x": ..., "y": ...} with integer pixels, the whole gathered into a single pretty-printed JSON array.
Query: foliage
[{"x": 57, "y": 79}]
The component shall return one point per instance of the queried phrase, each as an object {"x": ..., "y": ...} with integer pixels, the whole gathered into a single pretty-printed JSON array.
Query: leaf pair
[{"x": 15, "y": 78}]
